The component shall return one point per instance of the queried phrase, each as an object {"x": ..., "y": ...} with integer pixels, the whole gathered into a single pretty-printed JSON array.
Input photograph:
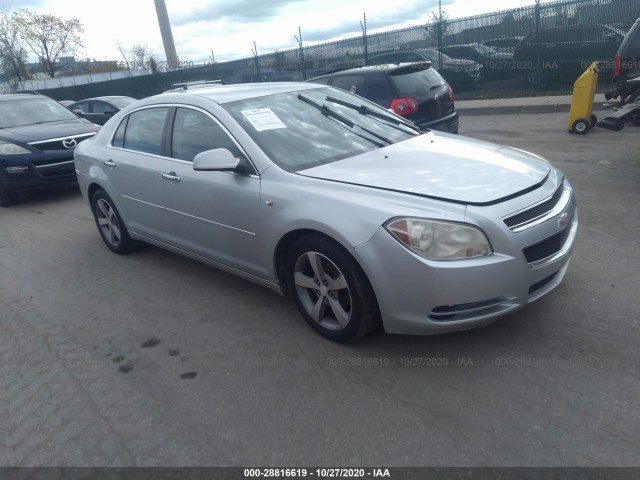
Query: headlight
[
  {"x": 7, "y": 148},
  {"x": 438, "y": 240}
]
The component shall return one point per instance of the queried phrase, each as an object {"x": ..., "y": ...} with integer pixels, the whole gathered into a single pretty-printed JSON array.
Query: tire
[
  {"x": 535, "y": 77},
  {"x": 581, "y": 126},
  {"x": 110, "y": 224},
  {"x": 594, "y": 120},
  {"x": 344, "y": 313},
  {"x": 7, "y": 197}
]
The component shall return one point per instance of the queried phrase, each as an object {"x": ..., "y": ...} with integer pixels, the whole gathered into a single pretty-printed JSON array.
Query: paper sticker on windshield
[{"x": 263, "y": 119}]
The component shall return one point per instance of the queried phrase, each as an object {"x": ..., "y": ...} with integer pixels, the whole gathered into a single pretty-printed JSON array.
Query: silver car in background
[{"x": 323, "y": 195}]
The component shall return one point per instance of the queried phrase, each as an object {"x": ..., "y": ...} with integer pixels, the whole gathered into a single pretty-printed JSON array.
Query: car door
[
  {"x": 215, "y": 214},
  {"x": 133, "y": 169}
]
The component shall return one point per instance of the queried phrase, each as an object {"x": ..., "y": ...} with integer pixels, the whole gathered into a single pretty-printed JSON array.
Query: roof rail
[{"x": 186, "y": 85}]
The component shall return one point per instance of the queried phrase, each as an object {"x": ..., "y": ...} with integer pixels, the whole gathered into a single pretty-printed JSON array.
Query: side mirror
[
  {"x": 79, "y": 113},
  {"x": 219, "y": 159}
]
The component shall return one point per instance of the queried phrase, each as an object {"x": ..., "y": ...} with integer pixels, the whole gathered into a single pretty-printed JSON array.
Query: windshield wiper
[
  {"x": 364, "y": 110},
  {"x": 331, "y": 113}
]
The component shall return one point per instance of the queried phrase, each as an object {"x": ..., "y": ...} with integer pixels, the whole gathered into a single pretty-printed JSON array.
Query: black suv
[
  {"x": 562, "y": 54},
  {"x": 626, "y": 67},
  {"x": 37, "y": 139},
  {"x": 413, "y": 90}
]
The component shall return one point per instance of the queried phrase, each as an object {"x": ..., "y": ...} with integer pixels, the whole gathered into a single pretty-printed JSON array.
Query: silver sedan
[{"x": 319, "y": 194}]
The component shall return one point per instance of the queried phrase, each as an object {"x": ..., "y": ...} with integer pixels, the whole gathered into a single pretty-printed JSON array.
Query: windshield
[
  {"x": 30, "y": 111},
  {"x": 432, "y": 53},
  {"x": 303, "y": 129}
]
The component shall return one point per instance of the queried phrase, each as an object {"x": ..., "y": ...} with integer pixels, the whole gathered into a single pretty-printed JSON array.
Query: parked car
[
  {"x": 626, "y": 67},
  {"x": 37, "y": 139},
  {"x": 494, "y": 64},
  {"x": 562, "y": 54},
  {"x": 503, "y": 44},
  {"x": 320, "y": 194},
  {"x": 100, "y": 109},
  {"x": 414, "y": 91},
  {"x": 461, "y": 74}
]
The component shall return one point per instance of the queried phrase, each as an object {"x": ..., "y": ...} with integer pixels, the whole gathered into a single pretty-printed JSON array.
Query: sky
[{"x": 229, "y": 28}]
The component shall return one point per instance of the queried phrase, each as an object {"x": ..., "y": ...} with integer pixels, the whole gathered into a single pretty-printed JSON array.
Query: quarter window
[
  {"x": 144, "y": 130},
  {"x": 194, "y": 132}
]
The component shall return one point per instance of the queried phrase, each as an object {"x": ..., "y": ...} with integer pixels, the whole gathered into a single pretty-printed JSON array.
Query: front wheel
[
  {"x": 7, "y": 197},
  {"x": 110, "y": 224},
  {"x": 331, "y": 291}
]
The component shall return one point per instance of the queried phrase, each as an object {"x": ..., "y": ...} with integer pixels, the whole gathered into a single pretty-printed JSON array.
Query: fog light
[{"x": 15, "y": 169}]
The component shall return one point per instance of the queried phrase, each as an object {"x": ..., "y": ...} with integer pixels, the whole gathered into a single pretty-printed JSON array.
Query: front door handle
[
  {"x": 110, "y": 163},
  {"x": 171, "y": 177}
]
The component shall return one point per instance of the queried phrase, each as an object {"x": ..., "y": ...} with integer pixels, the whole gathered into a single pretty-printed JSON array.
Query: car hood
[
  {"x": 447, "y": 167},
  {"x": 46, "y": 131}
]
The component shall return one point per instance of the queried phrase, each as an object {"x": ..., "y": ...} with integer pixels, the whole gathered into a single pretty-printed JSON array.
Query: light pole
[{"x": 167, "y": 36}]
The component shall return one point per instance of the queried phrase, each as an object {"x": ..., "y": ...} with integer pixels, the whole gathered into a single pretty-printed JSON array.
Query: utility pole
[{"x": 167, "y": 36}]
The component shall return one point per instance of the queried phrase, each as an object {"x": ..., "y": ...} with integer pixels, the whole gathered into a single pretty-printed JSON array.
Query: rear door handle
[
  {"x": 171, "y": 177},
  {"x": 110, "y": 163}
]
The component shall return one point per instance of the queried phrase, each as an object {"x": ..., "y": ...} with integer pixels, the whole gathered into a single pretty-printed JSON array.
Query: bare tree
[
  {"x": 13, "y": 54},
  {"x": 141, "y": 54},
  {"x": 49, "y": 37},
  {"x": 124, "y": 53}
]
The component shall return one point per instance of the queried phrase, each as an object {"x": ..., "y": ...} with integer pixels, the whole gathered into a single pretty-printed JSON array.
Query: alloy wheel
[{"x": 323, "y": 291}]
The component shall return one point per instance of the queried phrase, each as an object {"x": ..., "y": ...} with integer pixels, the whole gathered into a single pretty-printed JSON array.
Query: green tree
[{"x": 49, "y": 37}]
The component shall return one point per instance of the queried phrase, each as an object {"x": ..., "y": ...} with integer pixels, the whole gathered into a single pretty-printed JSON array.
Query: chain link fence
[{"x": 535, "y": 50}]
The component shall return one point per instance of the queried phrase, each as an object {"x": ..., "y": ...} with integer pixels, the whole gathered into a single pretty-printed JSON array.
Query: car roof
[
  {"x": 230, "y": 93},
  {"x": 462, "y": 45},
  {"x": 7, "y": 97},
  {"x": 385, "y": 67},
  {"x": 106, "y": 98}
]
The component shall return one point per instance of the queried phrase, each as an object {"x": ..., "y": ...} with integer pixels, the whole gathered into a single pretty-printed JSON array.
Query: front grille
[
  {"x": 56, "y": 168},
  {"x": 547, "y": 248},
  {"x": 536, "y": 211},
  {"x": 56, "y": 143}
]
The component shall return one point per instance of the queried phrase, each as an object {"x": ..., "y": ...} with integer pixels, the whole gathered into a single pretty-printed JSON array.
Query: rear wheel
[
  {"x": 110, "y": 224},
  {"x": 331, "y": 291},
  {"x": 8, "y": 197}
]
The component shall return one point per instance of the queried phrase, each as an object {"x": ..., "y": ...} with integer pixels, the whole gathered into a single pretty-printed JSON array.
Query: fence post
[
  {"x": 363, "y": 26},
  {"x": 301, "y": 50},
  {"x": 254, "y": 50}
]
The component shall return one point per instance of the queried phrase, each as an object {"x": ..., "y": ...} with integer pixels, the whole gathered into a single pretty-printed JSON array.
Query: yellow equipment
[{"x": 581, "y": 120}]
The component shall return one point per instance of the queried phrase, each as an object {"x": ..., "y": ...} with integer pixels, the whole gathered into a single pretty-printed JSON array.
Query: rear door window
[
  {"x": 352, "y": 83},
  {"x": 144, "y": 130}
]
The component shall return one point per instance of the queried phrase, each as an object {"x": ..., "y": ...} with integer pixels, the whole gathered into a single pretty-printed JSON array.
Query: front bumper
[
  {"x": 421, "y": 297},
  {"x": 38, "y": 170}
]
